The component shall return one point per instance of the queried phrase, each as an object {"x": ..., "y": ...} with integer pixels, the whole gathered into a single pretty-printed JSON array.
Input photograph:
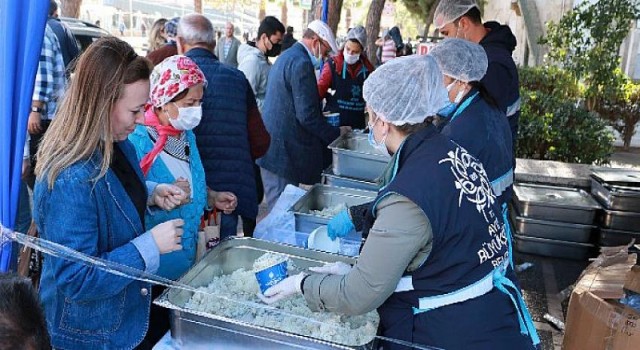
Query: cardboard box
[{"x": 595, "y": 319}]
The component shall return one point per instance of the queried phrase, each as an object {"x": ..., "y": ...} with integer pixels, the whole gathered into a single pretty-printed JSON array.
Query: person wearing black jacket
[
  {"x": 462, "y": 19},
  {"x": 68, "y": 43},
  {"x": 288, "y": 40}
]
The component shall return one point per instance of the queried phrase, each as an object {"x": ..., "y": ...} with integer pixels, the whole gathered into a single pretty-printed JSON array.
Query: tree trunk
[
  {"x": 197, "y": 6},
  {"x": 284, "y": 12},
  {"x": 263, "y": 10},
  {"x": 312, "y": 14},
  {"x": 335, "y": 10},
  {"x": 373, "y": 27},
  {"x": 429, "y": 20},
  {"x": 347, "y": 20},
  {"x": 70, "y": 8}
]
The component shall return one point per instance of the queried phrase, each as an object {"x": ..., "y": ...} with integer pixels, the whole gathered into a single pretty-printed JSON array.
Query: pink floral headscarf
[
  {"x": 169, "y": 78},
  {"x": 172, "y": 76}
]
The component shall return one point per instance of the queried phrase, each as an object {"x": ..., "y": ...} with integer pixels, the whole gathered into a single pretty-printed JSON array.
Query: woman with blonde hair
[
  {"x": 156, "y": 35},
  {"x": 91, "y": 197}
]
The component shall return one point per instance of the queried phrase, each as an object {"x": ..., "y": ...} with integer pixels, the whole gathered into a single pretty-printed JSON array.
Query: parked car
[{"x": 84, "y": 32}]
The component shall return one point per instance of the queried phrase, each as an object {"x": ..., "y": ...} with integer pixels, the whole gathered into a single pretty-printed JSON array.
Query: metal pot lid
[
  {"x": 617, "y": 176},
  {"x": 551, "y": 196}
]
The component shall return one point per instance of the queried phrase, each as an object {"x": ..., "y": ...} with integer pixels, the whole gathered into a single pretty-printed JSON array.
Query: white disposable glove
[
  {"x": 334, "y": 268},
  {"x": 286, "y": 288}
]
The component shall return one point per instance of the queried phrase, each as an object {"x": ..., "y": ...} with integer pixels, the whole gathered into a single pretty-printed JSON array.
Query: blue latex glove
[{"x": 340, "y": 225}]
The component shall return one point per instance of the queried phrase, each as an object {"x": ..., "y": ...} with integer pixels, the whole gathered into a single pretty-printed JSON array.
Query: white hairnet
[
  {"x": 406, "y": 90},
  {"x": 325, "y": 33},
  {"x": 450, "y": 10},
  {"x": 358, "y": 34},
  {"x": 461, "y": 59}
]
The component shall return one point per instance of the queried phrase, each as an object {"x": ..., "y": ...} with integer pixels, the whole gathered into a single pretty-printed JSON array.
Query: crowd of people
[{"x": 128, "y": 154}]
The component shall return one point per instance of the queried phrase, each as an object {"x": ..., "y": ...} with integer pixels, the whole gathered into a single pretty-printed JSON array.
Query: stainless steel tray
[
  {"x": 616, "y": 197},
  {"x": 323, "y": 196},
  {"x": 354, "y": 157},
  {"x": 334, "y": 180},
  {"x": 552, "y": 230},
  {"x": 198, "y": 330},
  {"x": 554, "y": 248},
  {"x": 550, "y": 203},
  {"x": 617, "y": 176},
  {"x": 611, "y": 238},
  {"x": 621, "y": 220}
]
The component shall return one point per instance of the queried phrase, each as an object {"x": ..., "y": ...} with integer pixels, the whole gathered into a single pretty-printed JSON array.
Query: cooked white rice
[
  {"x": 329, "y": 211},
  {"x": 292, "y": 315}
]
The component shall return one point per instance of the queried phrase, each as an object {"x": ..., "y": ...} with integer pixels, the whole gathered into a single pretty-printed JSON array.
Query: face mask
[
  {"x": 447, "y": 110},
  {"x": 274, "y": 50},
  {"x": 350, "y": 59},
  {"x": 372, "y": 140},
  {"x": 459, "y": 96},
  {"x": 188, "y": 118},
  {"x": 316, "y": 58}
]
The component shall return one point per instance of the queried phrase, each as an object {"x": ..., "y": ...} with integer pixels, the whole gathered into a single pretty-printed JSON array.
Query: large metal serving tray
[
  {"x": 616, "y": 197},
  {"x": 334, "y": 180},
  {"x": 617, "y": 176},
  {"x": 354, "y": 157},
  {"x": 552, "y": 230},
  {"x": 611, "y": 238},
  {"x": 322, "y": 196},
  {"x": 550, "y": 203},
  {"x": 199, "y": 330},
  {"x": 621, "y": 220},
  {"x": 554, "y": 248}
]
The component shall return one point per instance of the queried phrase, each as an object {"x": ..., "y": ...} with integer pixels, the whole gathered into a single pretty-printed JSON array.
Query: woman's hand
[
  {"x": 168, "y": 235},
  {"x": 186, "y": 187},
  {"x": 225, "y": 201},
  {"x": 167, "y": 196}
]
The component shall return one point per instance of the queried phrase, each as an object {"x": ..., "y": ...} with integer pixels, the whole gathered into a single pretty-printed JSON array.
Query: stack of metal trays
[
  {"x": 618, "y": 190},
  {"x": 200, "y": 330},
  {"x": 554, "y": 221},
  {"x": 355, "y": 158},
  {"x": 321, "y": 197},
  {"x": 334, "y": 180}
]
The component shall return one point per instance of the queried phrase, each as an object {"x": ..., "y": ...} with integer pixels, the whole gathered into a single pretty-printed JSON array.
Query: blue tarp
[
  {"x": 325, "y": 11},
  {"x": 23, "y": 23}
]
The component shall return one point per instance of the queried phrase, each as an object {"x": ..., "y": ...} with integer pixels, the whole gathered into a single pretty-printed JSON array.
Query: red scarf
[{"x": 164, "y": 131}]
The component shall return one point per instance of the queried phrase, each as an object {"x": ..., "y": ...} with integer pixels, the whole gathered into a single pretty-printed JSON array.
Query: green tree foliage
[
  {"x": 553, "y": 126},
  {"x": 622, "y": 106},
  {"x": 586, "y": 42}
]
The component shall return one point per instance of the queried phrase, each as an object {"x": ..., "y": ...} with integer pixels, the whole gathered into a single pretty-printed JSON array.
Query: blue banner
[{"x": 23, "y": 23}]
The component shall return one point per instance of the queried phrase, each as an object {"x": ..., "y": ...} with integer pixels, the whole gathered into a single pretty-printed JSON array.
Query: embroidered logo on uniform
[
  {"x": 356, "y": 91},
  {"x": 471, "y": 180}
]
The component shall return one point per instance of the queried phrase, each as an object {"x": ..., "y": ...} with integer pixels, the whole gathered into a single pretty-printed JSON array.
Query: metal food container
[
  {"x": 621, "y": 220},
  {"x": 611, "y": 238},
  {"x": 354, "y": 157},
  {"x": 552, "y": 230},
  {"x": 554, "y": 248},
  {"x": 617, "y": 177},
  {"x": 616, "y": 197},
  {"x": 192, "y": 329},
  {"x": 550, "y": 203},
  {"x": 322, "y": 196},
  {"x": 334, "y": 180}
]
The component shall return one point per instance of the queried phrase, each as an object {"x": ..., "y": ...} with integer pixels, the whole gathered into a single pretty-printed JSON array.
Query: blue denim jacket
[
  {"x": 88, "y": 308},
  {"x": 175, "y": 264}
]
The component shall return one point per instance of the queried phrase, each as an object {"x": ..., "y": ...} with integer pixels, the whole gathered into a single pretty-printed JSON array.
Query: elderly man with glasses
[{"x": 292, "y": 114}]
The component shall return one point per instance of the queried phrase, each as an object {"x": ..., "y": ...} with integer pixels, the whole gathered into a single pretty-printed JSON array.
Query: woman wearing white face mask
[
  {"x": 167, "y": 149},
  {"x": 345, "y": 74}
]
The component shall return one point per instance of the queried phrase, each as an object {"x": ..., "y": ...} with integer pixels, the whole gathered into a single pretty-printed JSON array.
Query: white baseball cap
[{"x": 325, "y": 33}]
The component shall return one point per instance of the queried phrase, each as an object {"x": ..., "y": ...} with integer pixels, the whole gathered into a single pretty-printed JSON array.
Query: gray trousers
[{"x": 273, "y": 186}]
